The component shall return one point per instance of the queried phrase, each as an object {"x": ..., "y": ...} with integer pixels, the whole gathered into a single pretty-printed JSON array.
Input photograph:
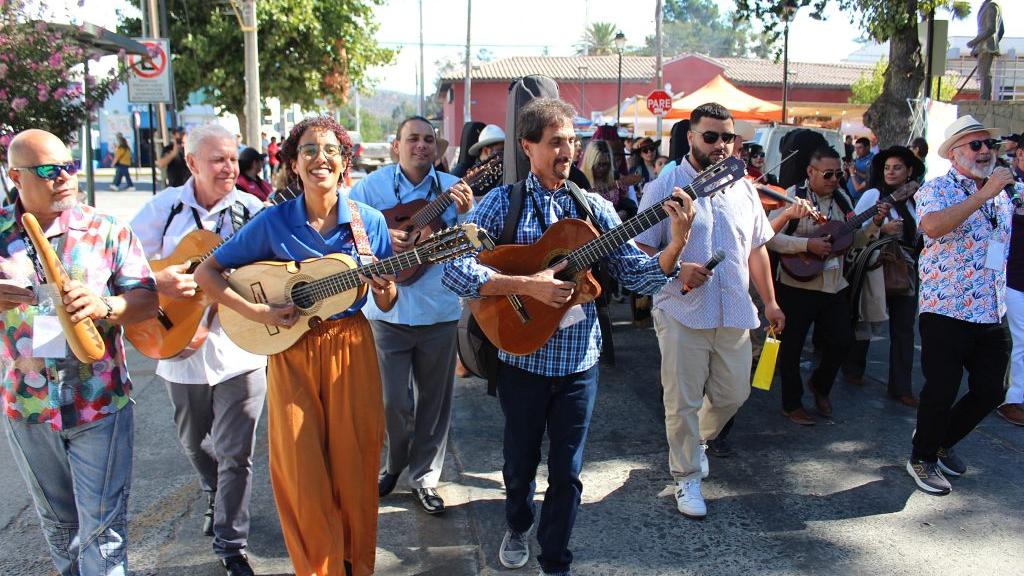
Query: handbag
[
  {"x": 765, "y": 372},
  {"x": 897, "y": 269}
]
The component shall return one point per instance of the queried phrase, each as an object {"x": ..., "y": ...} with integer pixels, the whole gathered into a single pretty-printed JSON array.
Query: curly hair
[{"x": 289, "y": 148}]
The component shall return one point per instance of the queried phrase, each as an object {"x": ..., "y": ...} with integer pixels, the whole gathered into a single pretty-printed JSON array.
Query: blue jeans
[
  {"x": 79, "y": 480},
  {"x": 562, "y": 405},
  {"x": 121, "y": 171}
]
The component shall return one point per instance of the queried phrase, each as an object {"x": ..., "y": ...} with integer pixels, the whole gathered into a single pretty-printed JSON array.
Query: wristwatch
[{"x": 110, "y": 309}]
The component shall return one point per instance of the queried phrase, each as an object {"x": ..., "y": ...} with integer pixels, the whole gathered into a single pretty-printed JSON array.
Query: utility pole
[
  {"x": 253, "y": 108},
  {"x": 161, "y": 108},
  {"x": 359, "y": 122},
  {"x": 467, "y": 114},
  {"x": 422, "y": 94},
  {"x": 657, "y": 72}
]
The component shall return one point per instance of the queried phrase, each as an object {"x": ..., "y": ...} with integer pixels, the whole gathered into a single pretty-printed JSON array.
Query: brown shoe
[
  {"x": 906, "y": 400},
  {"x": 1012, "y": 413},
  {"x": 799, "y": 416},
  {"x": 822, "y": 404}
]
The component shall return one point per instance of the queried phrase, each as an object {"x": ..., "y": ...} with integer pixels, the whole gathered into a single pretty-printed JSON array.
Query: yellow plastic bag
[{"x": 765, "y": 372}]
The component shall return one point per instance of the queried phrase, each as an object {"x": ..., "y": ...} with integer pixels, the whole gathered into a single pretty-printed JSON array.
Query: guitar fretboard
[{"x": 428, "y": 213}]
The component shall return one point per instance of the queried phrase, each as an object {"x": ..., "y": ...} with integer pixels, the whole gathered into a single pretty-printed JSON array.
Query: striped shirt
[
  {"x": 732, "y": 221},
  {"x": 577, "y": 347}
]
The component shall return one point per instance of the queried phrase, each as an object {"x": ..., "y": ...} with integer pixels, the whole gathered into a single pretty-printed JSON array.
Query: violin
[{"x": 775, "y": 197}]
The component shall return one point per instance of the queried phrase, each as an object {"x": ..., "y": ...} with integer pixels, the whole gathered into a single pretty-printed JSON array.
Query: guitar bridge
[
  {"x": 520, "y": 308},
  {"x": 164, "y": 319},
  {"x": 260, "y": 297}
]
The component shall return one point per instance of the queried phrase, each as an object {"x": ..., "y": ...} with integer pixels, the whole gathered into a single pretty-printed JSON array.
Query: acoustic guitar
[
  {"x": 420, "y": 218},
  {"x": 519, "y": 324},
  {"x": 323, "y": 287},
  {"x": 805, "y": 266},
  {"x": 182, "y": 324}
]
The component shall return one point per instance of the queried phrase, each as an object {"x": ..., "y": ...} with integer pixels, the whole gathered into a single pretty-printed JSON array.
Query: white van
[{"x": 770, "y": 136}]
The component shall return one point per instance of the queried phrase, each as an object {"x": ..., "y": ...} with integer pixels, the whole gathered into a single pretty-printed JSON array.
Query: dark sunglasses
[
  {"x": 51, "y": 171},
  {"x": 975, "y": 145},
  {"x": 829, "y": 174},
  {"x": 757, "y": 155},
  {"x": 646, "y": 149},
  {"x": 710, "y": 137}
]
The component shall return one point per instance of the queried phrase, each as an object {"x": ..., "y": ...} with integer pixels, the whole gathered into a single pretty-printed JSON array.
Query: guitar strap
[
  {"x": 359, "y": 231},
  {"x": 239, "y": 216}
]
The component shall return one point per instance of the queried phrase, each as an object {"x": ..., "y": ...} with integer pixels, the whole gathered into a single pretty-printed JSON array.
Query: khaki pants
[
  {"x": 705, "y": 376},
  {"x": 326, "y": 428}
]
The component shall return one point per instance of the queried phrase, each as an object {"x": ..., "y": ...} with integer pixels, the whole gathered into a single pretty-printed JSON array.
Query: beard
[
  {"x": 977, "y": 171},
  {"x": 62, "y": 205}
]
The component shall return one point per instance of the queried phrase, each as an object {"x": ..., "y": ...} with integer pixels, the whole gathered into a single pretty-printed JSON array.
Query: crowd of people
[{"x": 377, "y": 379}]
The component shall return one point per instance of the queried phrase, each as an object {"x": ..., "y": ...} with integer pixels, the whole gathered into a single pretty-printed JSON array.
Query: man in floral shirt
[
  {"x": 69, "y": 423},
  {"x": 965, "y": 218}
]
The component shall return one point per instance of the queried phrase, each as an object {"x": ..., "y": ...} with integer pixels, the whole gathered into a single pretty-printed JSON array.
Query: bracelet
[{"x": 110, "y": 309}]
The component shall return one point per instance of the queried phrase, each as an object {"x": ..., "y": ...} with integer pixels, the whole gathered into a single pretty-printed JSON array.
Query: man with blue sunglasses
[{"x": 69, "y": 423}]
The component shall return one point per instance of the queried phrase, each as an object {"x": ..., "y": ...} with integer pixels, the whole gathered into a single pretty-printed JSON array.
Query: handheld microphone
[
  {"x": 1010, "y": 189},
  {"x": 715, "y": 260}
]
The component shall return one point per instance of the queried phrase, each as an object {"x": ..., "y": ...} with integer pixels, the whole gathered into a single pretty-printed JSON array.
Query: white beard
[
  {"x": 980, "y": 172},
  {"x": 62, "y": 205}
]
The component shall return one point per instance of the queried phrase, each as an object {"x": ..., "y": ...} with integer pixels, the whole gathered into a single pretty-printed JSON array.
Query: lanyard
[
  {"x": 435, "y": 186},
  {"x": 30, "y": 251},
  {"x": 199, "y": 222},
  {"x": 817, "y": 206},
  {"x": 991, "y": 213}
]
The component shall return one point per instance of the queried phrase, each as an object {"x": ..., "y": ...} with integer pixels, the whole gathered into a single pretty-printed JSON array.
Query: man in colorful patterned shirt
[
  {"x": 69, "y": 423},
  {"x": 554, "y": 388},
  {"x": 965, "y": 218}
]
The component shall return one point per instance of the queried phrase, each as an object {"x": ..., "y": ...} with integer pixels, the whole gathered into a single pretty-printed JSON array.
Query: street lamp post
[
  {"x": 789, "y": 8},
  {"x": 620, "y": 43}
]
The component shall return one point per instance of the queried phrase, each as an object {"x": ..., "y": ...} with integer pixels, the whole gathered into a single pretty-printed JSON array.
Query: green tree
[
  {"x": 699, "y": 26},
  {"x": 309, "y": 50},
  {"x": 894, "y": 21},
  {"x": 598, "y": 40},
  {"x": 37, "y": 87},
  {"x": 868, "y": 87}
]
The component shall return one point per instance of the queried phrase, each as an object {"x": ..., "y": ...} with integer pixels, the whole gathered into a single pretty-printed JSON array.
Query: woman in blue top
[{"x": 324, "y": 402}]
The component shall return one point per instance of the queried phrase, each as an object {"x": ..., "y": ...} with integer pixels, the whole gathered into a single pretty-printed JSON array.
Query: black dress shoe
[
  {"x": 429, "y": 500},
  {"x": 386, "y": 483},
  {"x": 208, "y": 516},
  {"x": 237, "y": 566},
  {"x": 720, "y": 447}
]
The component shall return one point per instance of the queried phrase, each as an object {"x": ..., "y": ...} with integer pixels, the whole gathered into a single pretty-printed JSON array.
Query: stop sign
[{"x": 659, "y": 102}]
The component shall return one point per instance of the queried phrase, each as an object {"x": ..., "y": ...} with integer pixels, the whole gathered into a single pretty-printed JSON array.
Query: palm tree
[{"x": 598, "y": 40}]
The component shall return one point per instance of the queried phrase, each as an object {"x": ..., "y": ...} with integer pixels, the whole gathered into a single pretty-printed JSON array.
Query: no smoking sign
[{"x": 149, "y": 77}]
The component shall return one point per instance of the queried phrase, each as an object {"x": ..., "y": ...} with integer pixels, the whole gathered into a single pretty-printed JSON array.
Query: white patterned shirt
[{"x": 732, "y": 221}]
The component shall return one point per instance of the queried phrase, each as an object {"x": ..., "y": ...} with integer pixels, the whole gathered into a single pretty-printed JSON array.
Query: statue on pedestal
[{"x": 985, "y": 46}]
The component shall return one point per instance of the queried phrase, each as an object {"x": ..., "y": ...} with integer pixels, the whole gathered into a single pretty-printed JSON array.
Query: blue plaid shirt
[{"x": 576, "y": 348}]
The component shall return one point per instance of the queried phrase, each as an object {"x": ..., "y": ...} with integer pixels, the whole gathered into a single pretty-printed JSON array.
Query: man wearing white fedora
[{"x": 965, "y": 217}]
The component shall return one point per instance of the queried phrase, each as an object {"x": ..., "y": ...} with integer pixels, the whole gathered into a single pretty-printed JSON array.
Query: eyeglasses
[
  {"x": 51, "y": 171},
  {"x": 757, "y": 155},
  {"x": 311, "y": 151},
  {"x": 647, "y": 149},
  {"x": 828, "y": 174},
  {"x": 710, "y": 137},
  {"x": 990, "y": 143}
]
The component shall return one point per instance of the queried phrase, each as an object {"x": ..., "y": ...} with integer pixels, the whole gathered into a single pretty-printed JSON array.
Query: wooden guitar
[
  {"x": 419, "y": 218},
  {"x": 519, "y": 324},
  {"x": 806, "y": 266},
  {"x": 323, "y": 287},
  {"x": 182, "y": 324}
]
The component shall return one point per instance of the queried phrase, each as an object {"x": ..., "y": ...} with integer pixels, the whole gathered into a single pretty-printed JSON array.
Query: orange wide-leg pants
[{"x": 326, "y": 428}]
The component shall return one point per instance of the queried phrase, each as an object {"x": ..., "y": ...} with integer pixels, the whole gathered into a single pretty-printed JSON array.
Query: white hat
[
  {"x": 963, "y": 125},
  {"x": 491, "y": 134}
]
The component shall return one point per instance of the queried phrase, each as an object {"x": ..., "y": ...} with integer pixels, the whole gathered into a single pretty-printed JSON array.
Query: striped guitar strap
[{"x": 359, "y": 234}]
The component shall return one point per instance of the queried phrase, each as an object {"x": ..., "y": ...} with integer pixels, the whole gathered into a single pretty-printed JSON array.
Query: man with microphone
[
  {"x": 966, "y": 217},
  {"x": 703, "y": 319}
]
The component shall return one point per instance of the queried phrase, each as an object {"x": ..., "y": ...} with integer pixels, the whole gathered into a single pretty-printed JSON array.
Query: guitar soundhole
[{"x": 302, "y": 298}]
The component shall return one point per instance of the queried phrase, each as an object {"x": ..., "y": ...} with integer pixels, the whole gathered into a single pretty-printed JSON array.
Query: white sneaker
[
  {"x": 705, "y": 467},
  {"x": 689, "y": 500},
  {"x": 114, "y": 188},
  {"x": 130, "y": 189},
  {"x": 515, "y": 549}
]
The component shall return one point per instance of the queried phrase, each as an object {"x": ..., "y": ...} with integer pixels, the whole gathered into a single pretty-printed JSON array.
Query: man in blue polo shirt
[{"x": 416, "y": 339}]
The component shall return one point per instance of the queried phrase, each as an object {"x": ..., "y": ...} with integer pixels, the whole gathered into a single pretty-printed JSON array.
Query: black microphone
[
  {"x": 1010, "y": 189},
  {"x": 716, "y": 259}
]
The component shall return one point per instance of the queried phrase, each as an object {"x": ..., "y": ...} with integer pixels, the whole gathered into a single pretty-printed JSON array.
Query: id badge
[
  {"x": 574, "y": 316},
  {"x": 832, "y": 263},
  {"x": 365, "y": 259},
  {"x": 995, "y": 259},
  {"x": 48, "y": 337}
]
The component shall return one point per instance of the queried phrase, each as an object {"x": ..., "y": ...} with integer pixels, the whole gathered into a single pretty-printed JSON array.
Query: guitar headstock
[
  {"x": 718, "y": 176},
  {"x": 905, "y": 191},
  {"x": 454, "y": 242},
  {"x": 485, "y": 175}
]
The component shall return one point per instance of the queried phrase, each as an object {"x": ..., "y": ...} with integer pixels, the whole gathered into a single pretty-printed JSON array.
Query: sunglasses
[
  {"x": 311, "y": 151},
  {"x": 710, "y": 137},
  {"x": 51, "y": 171},
  {"x": 647, "y": 149},
  {"x": 975, "y": 145},
  {"x": 828, "y": 174},
  {"x": 757, "y": 155}
]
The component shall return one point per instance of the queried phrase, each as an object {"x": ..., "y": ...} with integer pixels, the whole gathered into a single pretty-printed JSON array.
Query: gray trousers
[
  {"x": 217, "y": 429},
  {"x": 417, "y": 368}
]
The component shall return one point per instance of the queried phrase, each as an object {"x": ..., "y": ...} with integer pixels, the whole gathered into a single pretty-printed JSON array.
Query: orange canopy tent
[{"x": 743, "y": 106}]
